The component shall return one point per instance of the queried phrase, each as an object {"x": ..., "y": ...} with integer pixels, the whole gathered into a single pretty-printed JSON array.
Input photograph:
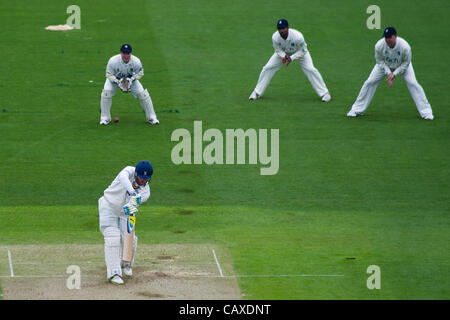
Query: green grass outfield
[{"x": 375, "y": 188}]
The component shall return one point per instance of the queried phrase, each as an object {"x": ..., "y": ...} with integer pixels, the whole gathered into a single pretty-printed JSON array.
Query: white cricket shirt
[
  {"x": 116, "y": 193},
  {"x": 117, "y": 69},
  {"x": 395, "y": 60},
  {"x": 294, "y": 45}
]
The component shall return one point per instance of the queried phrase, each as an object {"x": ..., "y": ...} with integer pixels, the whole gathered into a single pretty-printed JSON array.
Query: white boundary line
[
  {"x": 10, "y": 264},
  {"x": 217, "y": 263}
]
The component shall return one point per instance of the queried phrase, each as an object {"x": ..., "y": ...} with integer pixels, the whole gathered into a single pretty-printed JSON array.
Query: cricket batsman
[
  {"x": 290, "y": 45},
  {"x": 119, "y": 202},
  {"x": 393, "y": 58},
  {"x": 124, "y": 71}
]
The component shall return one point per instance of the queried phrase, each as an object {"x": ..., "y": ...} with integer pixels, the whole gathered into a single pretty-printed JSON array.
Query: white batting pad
[
  {"x": 105, "y": 105},
  {"x": 147, "y": 105},
  {"x": 112, "y": 251}
]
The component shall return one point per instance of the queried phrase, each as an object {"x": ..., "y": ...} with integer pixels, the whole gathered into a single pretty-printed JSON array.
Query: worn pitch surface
[{"x": 161, "y": 272}]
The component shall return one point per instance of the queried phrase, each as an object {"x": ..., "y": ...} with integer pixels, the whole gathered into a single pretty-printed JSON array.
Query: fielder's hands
[
  {"x": 129, "y": 209},
  {"x": 390, "y": 79},
  {"x": 129, "y": 82},
  {"x": 286, "y": 60},
  {"x": 125, "y": 84}
]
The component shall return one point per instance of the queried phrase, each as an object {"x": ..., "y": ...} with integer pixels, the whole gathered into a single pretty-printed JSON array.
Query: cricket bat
[{"x": 128, "y": 243}]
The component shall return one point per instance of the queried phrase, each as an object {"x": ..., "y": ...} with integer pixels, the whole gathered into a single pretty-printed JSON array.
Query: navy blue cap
[
  {"x": 282, "y": 23},
  {"x": 125, "y": 48},
  {"x": 389, "y": 32}
]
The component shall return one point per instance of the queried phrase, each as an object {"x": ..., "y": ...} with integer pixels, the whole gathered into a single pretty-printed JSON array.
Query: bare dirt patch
[{"x": 160, "y": 272}]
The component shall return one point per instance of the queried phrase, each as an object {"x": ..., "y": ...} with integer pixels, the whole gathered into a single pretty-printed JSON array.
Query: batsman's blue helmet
[{"x": 144, "y": 170}]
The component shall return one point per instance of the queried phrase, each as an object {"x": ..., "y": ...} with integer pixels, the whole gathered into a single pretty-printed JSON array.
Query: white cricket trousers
[
  {"x": 274, "y": 64},
  {"x": 370, "y": 86}
]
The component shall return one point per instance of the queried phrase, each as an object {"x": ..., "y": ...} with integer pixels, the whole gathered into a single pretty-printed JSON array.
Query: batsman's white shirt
[
  {"x": 393, "y": 60},
  {"x": 117, "y": 69},
  {"x": 294, "y": 45},
  {"x": 116, "y": 194}
]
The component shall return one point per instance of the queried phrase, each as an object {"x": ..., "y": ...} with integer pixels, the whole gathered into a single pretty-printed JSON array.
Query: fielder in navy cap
[
  {"x": 392, "y": 59},
  {"x": 289, "y": 45},
  {"x": 123, "y": 71}
]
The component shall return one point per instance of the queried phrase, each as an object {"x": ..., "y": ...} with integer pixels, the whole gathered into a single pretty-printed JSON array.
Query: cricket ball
[{"x": 116, "y": 120}]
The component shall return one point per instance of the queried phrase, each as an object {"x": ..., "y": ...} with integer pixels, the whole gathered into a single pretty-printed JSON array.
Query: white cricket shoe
[
  {"x": 127, "y": 271},
  {"x": 353, "y": 114},
  {"x": 116, "y": 279},
  {"x": 104, "y": 122},
  {"x": 153, "y": 121},
  {"x": 326, "y": 97},
  {"x": 254, "y": 96},
  {"x": 428, "y": 117}
]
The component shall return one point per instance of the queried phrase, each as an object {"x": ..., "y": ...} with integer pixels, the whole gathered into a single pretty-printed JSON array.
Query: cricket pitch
[{"x": 172, "y": 272}]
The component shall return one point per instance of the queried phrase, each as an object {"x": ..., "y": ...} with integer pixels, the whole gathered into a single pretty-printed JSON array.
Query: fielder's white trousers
[
  {"x": 274, "y": 64},
  {"x": 368, "y": 90}
]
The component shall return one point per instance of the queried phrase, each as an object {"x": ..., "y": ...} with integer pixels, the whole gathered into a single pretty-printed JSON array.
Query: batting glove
[
  {"x": 129, "y": 209},
  {"x": 136, "y": 199}
]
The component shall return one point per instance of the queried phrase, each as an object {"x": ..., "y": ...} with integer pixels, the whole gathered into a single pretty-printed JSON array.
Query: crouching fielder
[
  {"x": 124, "y": 71},
  {"x": 290, "y": 45},
  {"x": 393, "y": 58},
  {"x": 120, "y": 201}
]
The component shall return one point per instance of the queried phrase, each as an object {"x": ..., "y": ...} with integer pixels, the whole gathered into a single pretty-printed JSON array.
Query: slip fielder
[
  {"x": 290, "y": 45},
  {"x": 121, "y": 199},
  {"x": 393, "y": 58},
  {"x": 124, "y": 71}
]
